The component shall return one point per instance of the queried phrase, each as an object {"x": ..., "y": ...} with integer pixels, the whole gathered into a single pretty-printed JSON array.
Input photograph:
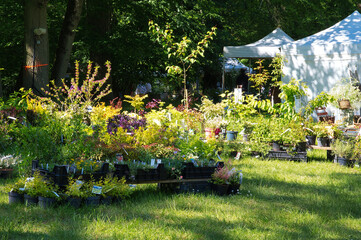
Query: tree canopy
[{"x": 117, "y": 30}]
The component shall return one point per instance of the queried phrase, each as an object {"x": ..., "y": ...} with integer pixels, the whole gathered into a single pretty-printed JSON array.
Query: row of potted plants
[
  {"x": 39, "y": 190},
  {"x": 347, "y": 151}
]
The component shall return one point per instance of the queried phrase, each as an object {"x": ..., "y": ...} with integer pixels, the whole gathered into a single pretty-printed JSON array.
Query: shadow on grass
[{"x": 329, "y": 202}]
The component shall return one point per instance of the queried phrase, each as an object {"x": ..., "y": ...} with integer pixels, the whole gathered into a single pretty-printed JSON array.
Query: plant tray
[
  {"x": 295, "y": 156},
  {"x": 194, "y": 187}
]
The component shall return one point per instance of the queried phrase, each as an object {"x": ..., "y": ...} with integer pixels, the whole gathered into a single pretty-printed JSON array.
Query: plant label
[
  {"x": 79, "y": 183},
  {"x": 57, "y": 195},
  {"x": 238, "y": 156},
  {"x": 97, "y": 190}
]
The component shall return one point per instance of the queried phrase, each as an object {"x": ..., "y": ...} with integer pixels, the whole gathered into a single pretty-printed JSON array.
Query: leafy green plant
[
  {"x": 344, "y": 149},
  {"x": 322, "y": 129},
  {"x": 75, "y": 189},
  {"x": 182, "y": 52},
  {"x": 321, "y": 100},
  {"x": 137, "y": 102},
  {"x": 17, "y": 187},
  {"x": 115, "y": 187},
  {"x": 39, "y": 186}
]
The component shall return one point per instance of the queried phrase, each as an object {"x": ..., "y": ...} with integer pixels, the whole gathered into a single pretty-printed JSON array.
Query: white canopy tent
[
  {"x": 324, "y": 58},
  {"x": 232, "y": 64},
  {"x": 266, "y": 47}
]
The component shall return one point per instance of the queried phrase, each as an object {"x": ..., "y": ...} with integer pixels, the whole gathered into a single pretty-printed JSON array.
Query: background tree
[
  {"x": 66, "y": 39},
  {"x": 36, "y": 67}
]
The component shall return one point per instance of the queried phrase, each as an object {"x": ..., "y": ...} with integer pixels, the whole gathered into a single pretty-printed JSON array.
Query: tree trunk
[
  {"x": 66, "y": 39},
  {"x": 36, "y": 69}
]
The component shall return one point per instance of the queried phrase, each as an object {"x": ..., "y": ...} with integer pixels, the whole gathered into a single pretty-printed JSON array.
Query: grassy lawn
[{"x": 279, "y": 200}]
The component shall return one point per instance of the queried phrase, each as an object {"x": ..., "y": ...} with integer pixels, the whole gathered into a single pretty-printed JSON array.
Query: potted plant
[
  {"x": 16, "y": 191},
  {"x": 235, "y": 181},
  {"x": 308, "y": 127},
  {"x": 319, "y": 102},
  {"x": 114, "y": 190},
  {"x": 322, "y": 130},
  {"x": 346, "y": 94},
  {"x": 225, "y": 178},
  {"x": 295, "y": 137},
  {"x": 92, "y": 192},
  {"x": 47, "y": 195},
  {"x": 247, "y": 130},
  {"x": 33, "y": 187},
  {"x": 211, "y": 126},
  {"x": 220, "y": 180},
  {"x": 233, "y": 128},
  {"x": 75, "y": 192},
  {"x": 344, "y": 151},
  {"x": 7, "y": 164}
]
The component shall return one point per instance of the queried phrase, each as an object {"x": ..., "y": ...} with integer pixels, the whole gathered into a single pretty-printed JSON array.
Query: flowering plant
[
  {"x": 222, "y": 175},
  {"x": 346, "y": 90},
  {"x": 8, "y": 161},
  {"x": 126, "y": 122}
]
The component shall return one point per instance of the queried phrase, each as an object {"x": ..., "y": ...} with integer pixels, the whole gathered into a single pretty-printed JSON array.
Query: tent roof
[
  {"x": 232, "y": 64},
  {"x": 340, "y": 38},
  {"x": 264, "y": 48}
]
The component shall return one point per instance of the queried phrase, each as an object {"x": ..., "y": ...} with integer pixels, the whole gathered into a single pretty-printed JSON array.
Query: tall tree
[
  {"x": 66, "y": 39},
  {"x": 36, "y": 69}
]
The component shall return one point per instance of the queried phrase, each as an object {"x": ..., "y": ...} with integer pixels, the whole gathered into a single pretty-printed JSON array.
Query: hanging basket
[{"x": 344, "y": 104}]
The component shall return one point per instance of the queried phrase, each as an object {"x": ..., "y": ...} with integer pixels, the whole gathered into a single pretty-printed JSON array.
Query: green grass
[{"x": 279, "y": 200}]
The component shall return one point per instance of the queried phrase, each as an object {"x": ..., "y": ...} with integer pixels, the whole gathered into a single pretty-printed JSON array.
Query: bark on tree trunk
[
  {"x": 66, "y": 39},
  {"x": 36, "y": 68}
]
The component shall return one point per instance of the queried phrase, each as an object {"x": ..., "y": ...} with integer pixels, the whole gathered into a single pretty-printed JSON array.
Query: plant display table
[
  {"x": 295, "y": 156},
  {"x": 330, "y": 155}
]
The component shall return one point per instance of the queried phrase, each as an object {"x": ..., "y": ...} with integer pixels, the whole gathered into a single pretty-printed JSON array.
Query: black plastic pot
[
  {"x": 106, "y": 200},
  {"x": 74, "y": 202},
  {"x": 233, "y": 189},
  {"x": 163, "y": 174},
  {"x": 60, "y": 175},
  {"x": 15, "y": 198},
  {"x": 122, "y": 170},
  {"x": 92, "y": 201},
  {"x": 323, "y": 142},
  {"x": 220, "y": 189},
  {"x": 30, "y": 201},
  {"x": 311, "y": 140},
  {"x": 45, "y": 202},
  {"x": 344, "y": 162},
  {"x": 301, "y": 147}
]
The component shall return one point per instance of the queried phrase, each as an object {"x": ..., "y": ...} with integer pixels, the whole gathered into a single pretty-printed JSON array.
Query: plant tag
[
  {"x": 238, "y": 156},
  {"x": 219, "y": 157},
  {"x": 125, "y": 151},
  {"x": 108, "y": 190},
  {"x": 159, "y": 161},
  {"x": 21, "y": 189},
  {"x": 97, "y": 190},
  {"x": 152, "y": 162},
  {"x": 79, "y": 183},
  {"x": 56, "y": 194}
]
